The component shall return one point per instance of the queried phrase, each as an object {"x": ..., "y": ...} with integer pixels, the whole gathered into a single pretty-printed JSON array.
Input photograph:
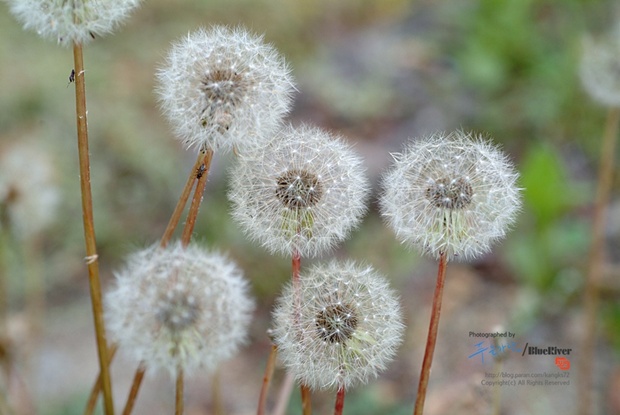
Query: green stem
[
  {"x": 92, "y": 259},
  {"x": 431, "y": 340}
]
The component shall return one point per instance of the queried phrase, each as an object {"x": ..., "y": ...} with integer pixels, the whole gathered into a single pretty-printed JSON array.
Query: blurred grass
[{"x": 379, "y": 72}]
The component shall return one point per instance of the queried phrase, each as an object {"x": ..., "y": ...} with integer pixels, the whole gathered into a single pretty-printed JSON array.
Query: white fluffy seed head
[
  {"x": 600, "y": 69},
  {"x": 29, "y": 189},
  {"x": 453, "y": 194},
  {"x": 76, "y": 21},
  {"x": 179, "y": 307},
  {"x": 222, "y": 88},
  {"x": 301, "y": 191},
  {"x": 341, "y": 329}
]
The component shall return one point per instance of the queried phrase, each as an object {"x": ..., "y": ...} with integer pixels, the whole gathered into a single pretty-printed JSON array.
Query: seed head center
[
  {"x": 450, "y": 193},
  {"x": 298, "y": 189},
  {"x": 336, "y": 323},
  {"x": 223, "y": 90},
  {"x": 177, "y": 310}
]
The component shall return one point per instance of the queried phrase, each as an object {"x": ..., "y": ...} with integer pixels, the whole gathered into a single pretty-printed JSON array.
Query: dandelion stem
[
  {"x": 269, "y": 368},
  {"x": 306, "y": 403},
  {"x": 135, "y": 387},
  {"x": 217, "y": 406},
  {"x": 339, "y": 401},
  {"x": 178, "y": 210},
  {"x": 595, "y": 260},
  {"x": 284, "y": 395},
  {"x": 190, "y": 222},
  {"x": 94, "y": 393},
  {"x": 89, "y": 228},
  {"x": 432, "y": 335},
  {"x": 178, "y": 406}
]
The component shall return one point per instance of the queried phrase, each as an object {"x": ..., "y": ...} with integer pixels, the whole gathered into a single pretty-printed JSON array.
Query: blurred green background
[{"x": 377, "y": 73}]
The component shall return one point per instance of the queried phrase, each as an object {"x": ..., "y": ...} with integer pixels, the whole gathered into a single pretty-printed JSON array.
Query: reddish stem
[
  {"x": 178, "y": 209},
  {"x": 190, "y": 222},
  {"x": 135, "y": 387},
  {"x": 271, "y": 364},
  {"x": 306, "y": 403},
  {"x": 431, "y": 340},
  {"x": 339, "y": 401}
]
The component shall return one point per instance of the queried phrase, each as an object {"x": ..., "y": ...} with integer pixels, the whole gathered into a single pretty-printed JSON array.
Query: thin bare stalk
[
  {"x": 190, "y": 222},
  {"x": 217, "y": 406},
  {"x": 94, "y": 392},
  {"x": 431, "y": 340},
  {"x": 306, "y": 402},
  {"x": 339, "y": 401},
  {"x": 178, "y": 405},
  {"x": 135, "y": 387},
  {"x": 269, "y": 368},
  {"x": 92, "y": 259},
  {"x": 595, "y": 261},
  {"x": 178, "y": 210},
  {"x": 284, "y": 395}
]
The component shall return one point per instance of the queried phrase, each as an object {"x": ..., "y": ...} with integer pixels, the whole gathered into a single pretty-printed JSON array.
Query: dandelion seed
[
  {"x": 223, "y": 88},
  {"x": 301, "y": 191},
  {"x": 179, "y": 307},
  {"x": 452, "y": 194},
  {"x": 69, "y": 22},
  {"x": 328, "y": 344}
]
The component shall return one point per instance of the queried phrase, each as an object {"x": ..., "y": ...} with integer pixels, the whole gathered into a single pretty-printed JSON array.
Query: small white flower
[
  {"x": 179, "y": 307},
  {"x": 452, "y": 194},
  {"x": 69, "y": 21},
  {"x": 223, "y": 87},
  {"x": 346, "y": 329},
  {"x": 301, "y": 191},
  {"x": 600, "y": 69}
]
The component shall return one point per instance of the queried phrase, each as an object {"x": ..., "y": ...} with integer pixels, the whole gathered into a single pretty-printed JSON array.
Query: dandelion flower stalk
[
  {"x": 431, "y": 339},
  {"x": 596, "y": 258},
  {"x": 451, "y": 196},
  {"x": 135, "y": 388},
  {"x": 601, "y": 80},
  {"x": 89, "y": 228},
  {"x": 339, "y": 406}
]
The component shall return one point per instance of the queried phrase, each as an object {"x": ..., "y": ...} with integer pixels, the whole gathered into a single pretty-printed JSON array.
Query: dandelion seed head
[
  {"x": 600, "y": 69},
  {"x": 301, "y": 190},
  {"x": 455, "y": 194},
  {"x": 29, "y": 189},
  {"x": 346, "y": 330},
  {"x": 179, "y": 307},
  {"x": 223, "y": 88},
  {"x": 68, "y": 22}
]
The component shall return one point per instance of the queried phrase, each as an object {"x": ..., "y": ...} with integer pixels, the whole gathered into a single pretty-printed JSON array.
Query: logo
[{"x": 562, "y": 363}]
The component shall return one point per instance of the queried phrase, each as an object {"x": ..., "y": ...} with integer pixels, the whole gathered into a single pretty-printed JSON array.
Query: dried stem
[
  {"x": 178, "y": 405},
  {"x": 217, "y": 406},
  {"x": 190, "y": 222},
  {"x": 339, "y": 401},
  {"x": 269, "y": 368},
  {"x": 94, "y": 393},
  {"x": 431, "y": 340},
  {"x": 306, "y": 403},
  {"x": 92, "y": 259},
  {"x": 135, "y": 387},
  {"x": 178, "y": 210},
  {"x": 595, "y": 261}
]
